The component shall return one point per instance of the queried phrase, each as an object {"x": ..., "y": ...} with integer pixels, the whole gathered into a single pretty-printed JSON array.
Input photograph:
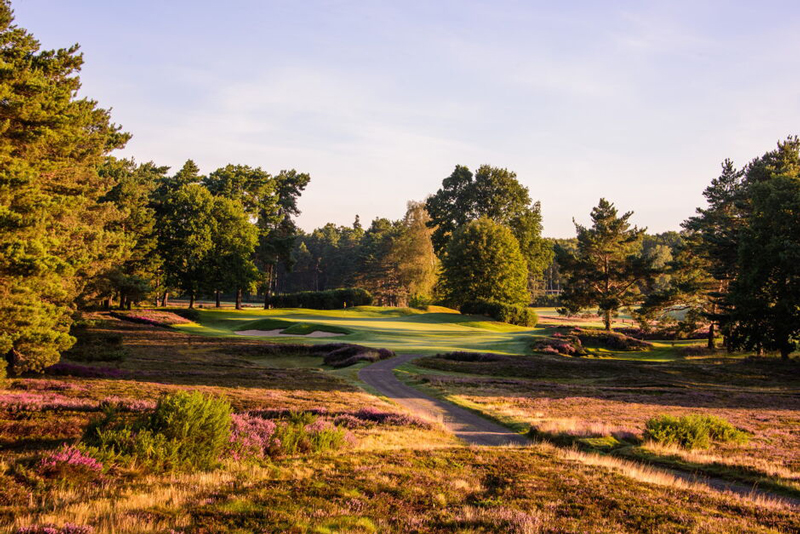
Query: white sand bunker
[{"x": 279, "y": 333}]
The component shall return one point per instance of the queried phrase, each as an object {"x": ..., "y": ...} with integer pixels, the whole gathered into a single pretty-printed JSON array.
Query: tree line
[{"x": 79, "y": 227}]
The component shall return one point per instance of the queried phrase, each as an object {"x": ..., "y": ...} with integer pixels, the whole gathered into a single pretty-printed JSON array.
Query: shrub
[
  {"x": 252, "y": 436},
  {"x": 185, "y": 432},
  {"x": 692, "y": 431},
  {"x": 70, "y": 464},
  {"x": 469, "y": 357},
  {"x": 506, "y": 313},
  {"x": 332, "y": 299},
  {"x": 610, "y": 340}
]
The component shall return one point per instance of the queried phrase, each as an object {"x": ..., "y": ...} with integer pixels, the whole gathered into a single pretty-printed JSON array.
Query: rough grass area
[{"x": 605, "y": 405}]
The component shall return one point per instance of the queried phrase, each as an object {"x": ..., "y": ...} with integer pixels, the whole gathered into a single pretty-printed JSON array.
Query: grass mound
[
  {"x": 692, "y": 431},
  {"x": 291, "y": 327},
  {"x": 344, "y": 355}
]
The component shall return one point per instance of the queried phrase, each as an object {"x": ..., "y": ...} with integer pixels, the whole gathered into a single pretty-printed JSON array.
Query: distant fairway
[{"x": 400, "y": 329}]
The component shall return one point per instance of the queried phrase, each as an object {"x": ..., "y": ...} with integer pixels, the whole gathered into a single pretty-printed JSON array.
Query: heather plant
[
  {"x": 692, "y": 431},
  {"x": 252, "y": 436},
  {"x": 67, "y": 528},
  {"x": 73, "y": 369},
  {"x": 71, "y": 465}
]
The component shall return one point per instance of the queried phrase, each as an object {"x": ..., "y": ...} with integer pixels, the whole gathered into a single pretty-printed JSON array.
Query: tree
[
  {"x": 607, "y": 267},
  {"x": 764, "y": 299},
  {"x": 377, "y": 269},
  {"x": 229, "y": 264},
  {"x": 51, "y": 224},
  {"x": 483, "y": 262},
  {"x": 187, "y": 237},
  {"x": 133, "y": 274},
  {"x": 496, "y": 194},
  {"x": 412, "y": 252}
]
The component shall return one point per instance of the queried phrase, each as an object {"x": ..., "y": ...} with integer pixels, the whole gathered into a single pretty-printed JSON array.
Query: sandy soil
[{"x": 277, "y": 333}]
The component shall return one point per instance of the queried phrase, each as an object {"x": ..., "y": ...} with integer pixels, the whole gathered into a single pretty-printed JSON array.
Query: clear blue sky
[{"x": 635, "y": 101}]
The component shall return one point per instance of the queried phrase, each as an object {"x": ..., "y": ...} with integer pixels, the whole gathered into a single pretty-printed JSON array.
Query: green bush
[
  {"x": 692, "y": 431},
  {"x": 96, "y": 346},
  {"x": 305, "y": 432},
  {"x": 332, "y": 299},
  {"x": 186, "y": 432},
  {"x": 506, "y": 313}
]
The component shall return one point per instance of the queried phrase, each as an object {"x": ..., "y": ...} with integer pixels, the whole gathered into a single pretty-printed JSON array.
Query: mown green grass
[{"x": 399, "y": 329}]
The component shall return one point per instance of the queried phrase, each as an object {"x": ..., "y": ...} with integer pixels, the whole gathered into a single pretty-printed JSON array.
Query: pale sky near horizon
[{"x": 638, "y": 102}]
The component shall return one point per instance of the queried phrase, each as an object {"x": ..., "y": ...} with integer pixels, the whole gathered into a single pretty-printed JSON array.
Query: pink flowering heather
[
  {"x": 37, "y": 402},
  {"x": 128, "y": 405},
  {"x": 252, "y": 436},
  {"x": 69, "y": 460},
  {"x": 68, "y": 528}
]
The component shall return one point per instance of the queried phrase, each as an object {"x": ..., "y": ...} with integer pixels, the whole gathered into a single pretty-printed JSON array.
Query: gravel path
[{"x": 468, "y": 426}]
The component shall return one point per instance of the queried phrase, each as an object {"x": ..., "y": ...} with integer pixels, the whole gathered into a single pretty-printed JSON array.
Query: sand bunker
[{"x": 279, "y": 333}]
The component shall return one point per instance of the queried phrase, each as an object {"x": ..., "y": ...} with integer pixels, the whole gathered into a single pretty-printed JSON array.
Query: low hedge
[
  {"x": 332, "y": 299},
  {"x": 505, "y": 313}
]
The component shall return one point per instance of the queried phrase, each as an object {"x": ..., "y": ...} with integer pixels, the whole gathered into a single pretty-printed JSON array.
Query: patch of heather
[
  {"x": 128, "y": 405},
  {"x": 252, "y": 436},
  {"x": 37, "y": 402},
  {"x": 591, "y": 410},
  {"x": 362, "y": 418},
  {"x": 67, "y": 528},
  {"x": 151, "y": 317},
  {"x": 46, "y": 385},
  {"x": 70, "y": 462},
  {"x": 73, "y": 369}
]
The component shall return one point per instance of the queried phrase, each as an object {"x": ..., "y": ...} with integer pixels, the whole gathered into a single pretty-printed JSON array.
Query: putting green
[{"x": 400, "y": 329}]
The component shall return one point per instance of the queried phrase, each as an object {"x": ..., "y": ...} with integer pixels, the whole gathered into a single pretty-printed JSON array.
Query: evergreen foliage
[
  {"x": 607, "y": 268},
  {"x": 51, "y": 221},
  {"x": 505, "y": 313}
]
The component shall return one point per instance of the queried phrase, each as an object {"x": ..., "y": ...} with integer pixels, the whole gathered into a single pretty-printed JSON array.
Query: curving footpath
[
  {"x": 466, "y": 425},
  {"x": 475, "y": 430}
]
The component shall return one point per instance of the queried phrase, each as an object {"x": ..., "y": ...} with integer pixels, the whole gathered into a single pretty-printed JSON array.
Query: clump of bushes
[
  {"x": 185, "y": 432},
  {"x": 156, "y": 317},
  {"x": 559, "y": 345},
  {"x": 505, "y": 313},
  {"x": 610, "y": 340},
  {"x": 332, "y": 299},
  {"x": 692, "y": 431},
  {"x": 573, "y": 343},
  {"x": 346, "y": 354}
]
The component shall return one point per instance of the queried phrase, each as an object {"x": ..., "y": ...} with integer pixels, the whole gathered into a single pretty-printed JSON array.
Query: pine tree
[
  {"x": 51, "y": 224},
  {"x": 606, "y": 270}
]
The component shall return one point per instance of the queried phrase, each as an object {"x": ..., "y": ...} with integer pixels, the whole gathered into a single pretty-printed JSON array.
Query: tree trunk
[
  {"x": 268, "y": 285},
  {"x": 607, "y": 319},
  {"x": 191, "y": 300},
  {"x": 108, "y": 303},
  {"x": 239, "y": 298},
  {"x": 711, "y": 334},
  {"x": 786, "y": 350},
  {"x": 217, "y": 295},
  {"x": 165, "y": 301},
  {"x": 128, "y": 303},
  {"x": 122, "y": 300}
]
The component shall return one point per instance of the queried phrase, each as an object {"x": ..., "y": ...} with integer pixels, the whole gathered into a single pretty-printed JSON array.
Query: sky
[{"x": 637, "y": 102}]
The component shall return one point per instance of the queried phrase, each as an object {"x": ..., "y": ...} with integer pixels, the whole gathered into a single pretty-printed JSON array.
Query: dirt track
[{"x": 466, "y": 425}]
